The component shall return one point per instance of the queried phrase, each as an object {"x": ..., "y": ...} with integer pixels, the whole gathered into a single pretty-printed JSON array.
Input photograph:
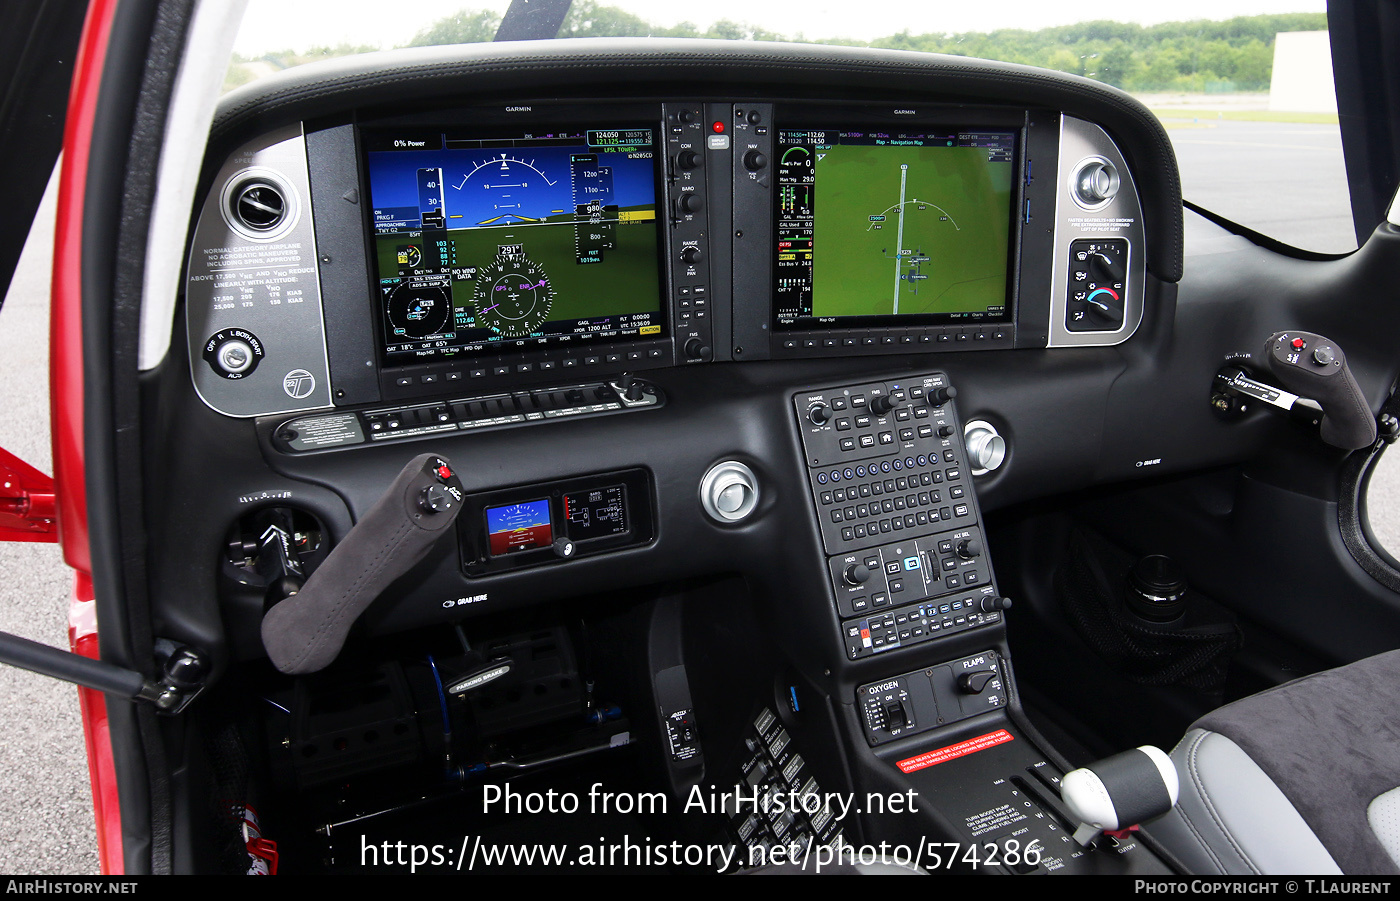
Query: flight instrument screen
[
  {"x": 879, "y": 227},
  {"x": 509, "y": 242}
]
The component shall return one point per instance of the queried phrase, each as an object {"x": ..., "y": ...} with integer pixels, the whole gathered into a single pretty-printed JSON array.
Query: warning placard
[{"x": 952, "y": 752}]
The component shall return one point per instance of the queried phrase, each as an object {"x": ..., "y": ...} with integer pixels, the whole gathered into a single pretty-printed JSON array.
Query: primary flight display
[{"x": 484, "y": 244}]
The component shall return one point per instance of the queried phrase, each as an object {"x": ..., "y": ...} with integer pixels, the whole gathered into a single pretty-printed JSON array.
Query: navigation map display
[
  {"x": 484, "y": 245},
  {"x": 881, "y": 227}
]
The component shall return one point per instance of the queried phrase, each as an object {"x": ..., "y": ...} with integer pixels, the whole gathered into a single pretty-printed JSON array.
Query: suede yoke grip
[{"x": 304, "y": 633}]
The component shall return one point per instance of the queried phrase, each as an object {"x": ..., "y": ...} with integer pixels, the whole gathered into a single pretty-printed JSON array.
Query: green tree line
[{"x": 1234, "y": 54}]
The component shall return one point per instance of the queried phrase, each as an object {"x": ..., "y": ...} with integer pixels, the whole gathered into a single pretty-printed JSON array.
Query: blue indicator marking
[{"x": 911, "y": 563}]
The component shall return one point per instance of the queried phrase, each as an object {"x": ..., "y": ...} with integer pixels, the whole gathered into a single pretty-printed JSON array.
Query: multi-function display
[
  {"x": 487, "y": 244},
  {"x": 883, "y": 227}
]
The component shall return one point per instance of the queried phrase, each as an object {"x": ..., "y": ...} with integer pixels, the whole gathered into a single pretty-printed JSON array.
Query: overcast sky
[{"x": 298, "y": 24}]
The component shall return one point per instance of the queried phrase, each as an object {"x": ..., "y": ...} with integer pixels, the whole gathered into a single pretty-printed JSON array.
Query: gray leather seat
[{"x": 1301, "y": 779}]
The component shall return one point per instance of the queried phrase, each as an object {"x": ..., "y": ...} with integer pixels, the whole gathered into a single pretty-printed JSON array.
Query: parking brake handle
[
  {"x": 1315, "y": 367},
  {"x": 304, "y": 633}
]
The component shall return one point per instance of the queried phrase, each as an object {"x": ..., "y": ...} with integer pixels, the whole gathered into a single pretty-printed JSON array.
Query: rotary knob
[
  {"x": 856, "y": 574},
  {"x": 882, "y": 404},
  {"x": 690, "y": 253},
  {"x": 690, "y": 202},
  {"x": 755, "y": 160},
  {"x": 689, "y": 159},
  {"x": 820, "y": 414},
  {"x": 969, "y": 548}
]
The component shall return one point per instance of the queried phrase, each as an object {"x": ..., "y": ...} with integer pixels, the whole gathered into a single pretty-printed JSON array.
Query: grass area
[{"x": 1246, "y": 116}]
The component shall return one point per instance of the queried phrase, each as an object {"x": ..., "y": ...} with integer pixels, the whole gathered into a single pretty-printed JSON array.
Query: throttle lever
[
  {"x": 1315, "y": 367},
  {"x": 304, "y": 633}
]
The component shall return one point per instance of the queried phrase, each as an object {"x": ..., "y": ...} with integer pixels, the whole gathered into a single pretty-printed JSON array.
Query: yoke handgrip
[{"x": 304, "y": 633}]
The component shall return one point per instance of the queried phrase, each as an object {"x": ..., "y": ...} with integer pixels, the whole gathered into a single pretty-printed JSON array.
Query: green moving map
[{"x": 907, "y": 230}]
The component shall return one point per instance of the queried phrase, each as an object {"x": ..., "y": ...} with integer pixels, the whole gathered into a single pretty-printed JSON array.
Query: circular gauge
[
  {"x": 418, "y": 311},
  {"x": 513, "y": 295},
  {"x": 412, "y": 256}
]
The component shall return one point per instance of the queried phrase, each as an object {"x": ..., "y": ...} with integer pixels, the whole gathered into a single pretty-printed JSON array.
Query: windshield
[{"x": 1243, "y": 87}]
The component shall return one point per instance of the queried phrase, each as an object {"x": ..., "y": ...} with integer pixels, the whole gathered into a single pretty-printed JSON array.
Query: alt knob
[
  {"x": 856, "y": 574},
  {"x": 969, "y": 548}
]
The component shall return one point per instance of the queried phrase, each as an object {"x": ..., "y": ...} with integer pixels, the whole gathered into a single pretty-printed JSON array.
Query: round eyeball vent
[{"x": 259, "y": 205}]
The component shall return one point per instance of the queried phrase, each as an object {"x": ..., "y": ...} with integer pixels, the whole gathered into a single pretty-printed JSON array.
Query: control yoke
[
  {"x": 1316, "y": 369},
  {"x": 304, "y": 633}
]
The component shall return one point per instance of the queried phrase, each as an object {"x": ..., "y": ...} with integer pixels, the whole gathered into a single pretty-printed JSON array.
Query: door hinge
[{"x": 28, "y": 509}]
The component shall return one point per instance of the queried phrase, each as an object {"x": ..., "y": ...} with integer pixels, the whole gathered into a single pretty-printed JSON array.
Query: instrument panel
[{"x": 474, "y": 252}]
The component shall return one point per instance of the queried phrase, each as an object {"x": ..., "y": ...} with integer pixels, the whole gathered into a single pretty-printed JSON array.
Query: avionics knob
[
  {"x": 695, "y": 349},
  {"x": 690, "y": 253},
  {"x": 856, "y": 574},
  {"x": 754, "y": 160},
  {"x": 882, "y": 404},
  {"x": 945, "y": 431},
  {"x": 820, "y": 414},
  {"x": 975, "y": 683},
  {"x": 689, "y": 159},
  {"x": 993, "y": 604},
  {"x": 687, "y": 115},
  {"x": 969, "y": 548},
  {"x": 690, "y": 202},
  {"x": 940, "y": 396},
  {"x": 563, "y": 547}
]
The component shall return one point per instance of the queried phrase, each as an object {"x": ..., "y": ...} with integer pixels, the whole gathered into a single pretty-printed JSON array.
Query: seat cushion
[
  {"x": 1232, "y": 820},
  {"x": 1331, "y": 743}
]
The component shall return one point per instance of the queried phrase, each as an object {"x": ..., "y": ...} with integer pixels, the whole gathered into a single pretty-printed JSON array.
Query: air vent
[
  {"x": 260, "y": 207},
  {"x": 259, "y": 204}
]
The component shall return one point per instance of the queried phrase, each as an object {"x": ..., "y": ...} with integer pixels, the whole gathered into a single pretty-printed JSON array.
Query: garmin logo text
[
  {"x": 906, "y": 112},
  {"x": 518, "y": 109}
]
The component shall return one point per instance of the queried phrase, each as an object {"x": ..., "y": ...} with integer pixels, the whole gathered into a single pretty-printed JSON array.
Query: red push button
[
  {"x": 1299, "y": 343},
  {"x": 718, "y": 128},
  {"x": 444, "y": 473}
]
